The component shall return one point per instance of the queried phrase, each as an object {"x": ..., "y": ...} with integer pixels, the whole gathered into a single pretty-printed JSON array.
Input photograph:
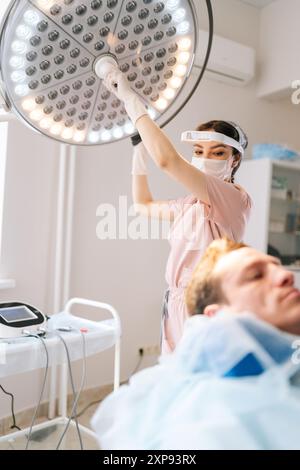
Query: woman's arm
[
  {"x": 169, "y": 160},
  {"x": 156, "y": 142},
  {"x": 144, "y": 203},
  {"x": 142, "y": 197}
]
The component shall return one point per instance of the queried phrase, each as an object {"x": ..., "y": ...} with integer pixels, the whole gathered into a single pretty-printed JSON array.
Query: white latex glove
[
  {"x": 117, "y": 83},
  {"x": 139, "y": 159}
]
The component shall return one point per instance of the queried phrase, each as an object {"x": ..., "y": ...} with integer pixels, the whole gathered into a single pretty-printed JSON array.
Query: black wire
[
  {"x": 96, "y": 402},
  {"x": 74, "y": 407},
  {"x": 136, "y": 367},
  {"x": 42, "y": 340},
  {"x": 14, "y": 425},
  {"x": 72, "y": 384},
  {"x": 209, "y": 46}
]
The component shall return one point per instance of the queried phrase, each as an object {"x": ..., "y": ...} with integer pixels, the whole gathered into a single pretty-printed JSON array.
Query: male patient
[
  {"x": 233, "y": 381},
  {"x": 238, "y": 278}
]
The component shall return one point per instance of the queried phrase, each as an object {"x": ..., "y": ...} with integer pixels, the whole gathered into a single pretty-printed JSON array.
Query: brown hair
[
  {"x": 204, "y": 288},
  {"x": 229, "y": 129}
]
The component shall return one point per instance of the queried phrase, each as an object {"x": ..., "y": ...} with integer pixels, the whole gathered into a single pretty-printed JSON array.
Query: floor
[{"x": 48, "y": 439}]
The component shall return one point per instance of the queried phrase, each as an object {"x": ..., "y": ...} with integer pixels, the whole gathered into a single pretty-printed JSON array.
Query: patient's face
[{"x": 258, "y": 283}]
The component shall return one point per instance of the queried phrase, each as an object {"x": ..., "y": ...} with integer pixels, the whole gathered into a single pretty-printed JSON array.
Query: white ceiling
[{"x": 258, "y": 3}]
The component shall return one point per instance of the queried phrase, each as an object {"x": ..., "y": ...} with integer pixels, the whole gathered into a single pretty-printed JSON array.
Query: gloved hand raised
[{"x": 117, "y": 83}]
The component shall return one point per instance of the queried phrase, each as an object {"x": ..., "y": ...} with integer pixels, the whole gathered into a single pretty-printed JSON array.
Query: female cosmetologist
[{"x": 215, "y": 207}]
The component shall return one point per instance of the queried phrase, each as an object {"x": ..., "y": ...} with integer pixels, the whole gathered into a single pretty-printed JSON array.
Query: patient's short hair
[{"x": 204, "y": 288}]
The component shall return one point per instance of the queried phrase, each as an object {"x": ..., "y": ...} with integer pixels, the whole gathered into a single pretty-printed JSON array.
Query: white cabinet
[
  {"x": 279, "y": 48},
  {"x": 256, "y": 178},
  {"x": 274, "y": 225}
]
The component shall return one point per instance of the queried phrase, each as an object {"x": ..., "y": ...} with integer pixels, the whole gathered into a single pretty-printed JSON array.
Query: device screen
[{"x": 15, "y": 314}]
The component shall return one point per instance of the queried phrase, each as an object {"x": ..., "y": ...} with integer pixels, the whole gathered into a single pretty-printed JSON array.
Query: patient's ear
[{"x": 211, "y": 310}]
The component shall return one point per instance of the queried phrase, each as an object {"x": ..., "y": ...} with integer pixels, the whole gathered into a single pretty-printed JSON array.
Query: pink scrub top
[{"x": 196, "y": 225}]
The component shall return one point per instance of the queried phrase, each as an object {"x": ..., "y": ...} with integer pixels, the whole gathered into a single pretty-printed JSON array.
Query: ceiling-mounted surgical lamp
[{"x": 53, "y": 53}]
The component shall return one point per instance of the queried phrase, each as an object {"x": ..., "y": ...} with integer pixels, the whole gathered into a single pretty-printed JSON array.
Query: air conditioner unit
[{"x": 230, "y": 62}]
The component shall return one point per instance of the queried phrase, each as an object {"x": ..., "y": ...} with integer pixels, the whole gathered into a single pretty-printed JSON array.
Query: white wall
[
  {"x": 28, "y": 235},
  {"x": 233, "y": 19},
  {"x": 279, "y": 48},
  {"x": 128, "y": 274}
]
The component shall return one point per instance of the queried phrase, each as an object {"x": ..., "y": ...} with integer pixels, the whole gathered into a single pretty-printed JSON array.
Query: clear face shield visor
[{"x": 194, "y": 137}]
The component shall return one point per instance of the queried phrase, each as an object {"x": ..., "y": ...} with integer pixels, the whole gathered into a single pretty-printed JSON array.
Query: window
[{"x": 3, "y": 153}]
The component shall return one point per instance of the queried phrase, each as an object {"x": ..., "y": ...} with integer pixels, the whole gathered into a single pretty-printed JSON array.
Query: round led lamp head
[{"x": 51, "y": 62}]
